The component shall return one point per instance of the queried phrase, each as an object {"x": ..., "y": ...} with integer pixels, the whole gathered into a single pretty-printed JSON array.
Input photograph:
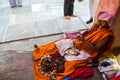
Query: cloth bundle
[
  {"x": 71, "y": 35},
  {"x": 109, "y": 66},
  {"x": 75, "y": 34},
  {"x": 51, "y": 64}
]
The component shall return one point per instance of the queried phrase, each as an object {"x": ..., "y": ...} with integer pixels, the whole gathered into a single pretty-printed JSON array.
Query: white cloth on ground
[{"x": 63, "y": 47}]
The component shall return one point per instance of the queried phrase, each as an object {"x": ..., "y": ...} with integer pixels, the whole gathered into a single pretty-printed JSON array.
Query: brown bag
[{"x": 80, "y": 0}]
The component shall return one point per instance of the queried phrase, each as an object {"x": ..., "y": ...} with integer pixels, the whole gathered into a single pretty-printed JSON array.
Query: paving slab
[
  {"x": 16, "y": 65},
  {"x": 37, "y": 18},
  {"x": 27, "y": 44}
]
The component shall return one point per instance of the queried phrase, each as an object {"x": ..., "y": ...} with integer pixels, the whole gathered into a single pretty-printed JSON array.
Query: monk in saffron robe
[{"x": 94, "y": 43}]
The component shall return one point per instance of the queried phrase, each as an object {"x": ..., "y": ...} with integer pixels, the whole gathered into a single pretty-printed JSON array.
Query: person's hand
[{"x": 93, "y": 48}]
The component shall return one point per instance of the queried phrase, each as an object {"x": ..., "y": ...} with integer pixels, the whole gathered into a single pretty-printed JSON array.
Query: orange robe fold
[{"x": 71, "y": 66}]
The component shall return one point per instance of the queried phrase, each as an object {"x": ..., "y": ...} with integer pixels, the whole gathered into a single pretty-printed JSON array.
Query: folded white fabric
[{"x": 66, "y": 48}]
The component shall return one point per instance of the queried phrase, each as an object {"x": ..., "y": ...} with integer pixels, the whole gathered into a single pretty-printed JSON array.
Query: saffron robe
[{"x": 71, "y": 66}]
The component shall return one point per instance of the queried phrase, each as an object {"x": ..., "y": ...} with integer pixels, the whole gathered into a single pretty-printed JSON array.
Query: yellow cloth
[
  {"x": 71, "y": 66},
  {"x": 107, "y": 55}
]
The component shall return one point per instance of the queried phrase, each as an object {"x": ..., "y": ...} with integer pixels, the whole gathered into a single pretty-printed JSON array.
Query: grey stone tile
[
  {"x": 15, "y": 32},
  {"x": 2, "y": 29},
  {"x": 28, "y": 44},
  {"x": 70, "y": 25},
  {"x": 47, "y": 1},
  {"x": 40, "y": 7},
  {"x": 84, "y": 19},
  {"x": 46, "y": 27},
  {"x": 4, "y": 20},
  {"x": 20, "y": 10},
  {"x": 15, "y": 61},
  {"x": 5, "y": 11},
  {"x": 25, "y": 74},
  {"x": 43, "y": 16},
  {"x": 20, "y": 19},
  {"x": 4, "y": 3}
]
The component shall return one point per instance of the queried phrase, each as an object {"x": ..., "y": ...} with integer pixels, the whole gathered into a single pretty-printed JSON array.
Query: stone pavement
[
  {"x": 16, "y": 65},
  {"x": 39, "y": 17}
]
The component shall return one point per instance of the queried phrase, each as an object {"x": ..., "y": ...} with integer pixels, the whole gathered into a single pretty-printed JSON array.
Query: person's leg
[
  {"x": 66, "y": 8},
  {"x": 91, "y": 2},
  {"x": 19, "y": 3},
  {"x": 71, "y": 8},
  {"x": 12, "y": 3}
]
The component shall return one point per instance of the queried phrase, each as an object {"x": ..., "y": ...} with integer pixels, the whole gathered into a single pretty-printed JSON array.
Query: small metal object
[{"x": 104, "y": 76}]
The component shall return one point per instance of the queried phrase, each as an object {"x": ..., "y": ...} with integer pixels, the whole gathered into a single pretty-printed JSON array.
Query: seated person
[{"x": 70, "y": 54}]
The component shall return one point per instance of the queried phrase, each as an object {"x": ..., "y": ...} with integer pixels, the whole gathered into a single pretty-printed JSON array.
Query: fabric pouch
[{"x": 71, "y": 35}]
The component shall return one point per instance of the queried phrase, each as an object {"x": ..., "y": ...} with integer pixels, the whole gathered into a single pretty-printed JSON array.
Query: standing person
[
  {"x": 13, "y": 3},
  {"x": 93, "y": 4},
  {"x": 69, "y": 8}
]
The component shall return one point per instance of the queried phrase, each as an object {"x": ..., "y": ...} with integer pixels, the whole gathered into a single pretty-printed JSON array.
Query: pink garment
[
  {"x": 110, "y": 6},
  {"x": 106, "y": 16},
  {"x": 71, "y": 35}
]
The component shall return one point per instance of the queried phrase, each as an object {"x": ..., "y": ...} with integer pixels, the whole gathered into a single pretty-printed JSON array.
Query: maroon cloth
[
  {"x": 116, "y": 78},
  {"x": 82, "y": 72},
  {"x": 85, "y": 33}
]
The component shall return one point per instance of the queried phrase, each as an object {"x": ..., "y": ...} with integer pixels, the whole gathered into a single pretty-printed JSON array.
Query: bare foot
[{"x": 67, "y": 17}]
